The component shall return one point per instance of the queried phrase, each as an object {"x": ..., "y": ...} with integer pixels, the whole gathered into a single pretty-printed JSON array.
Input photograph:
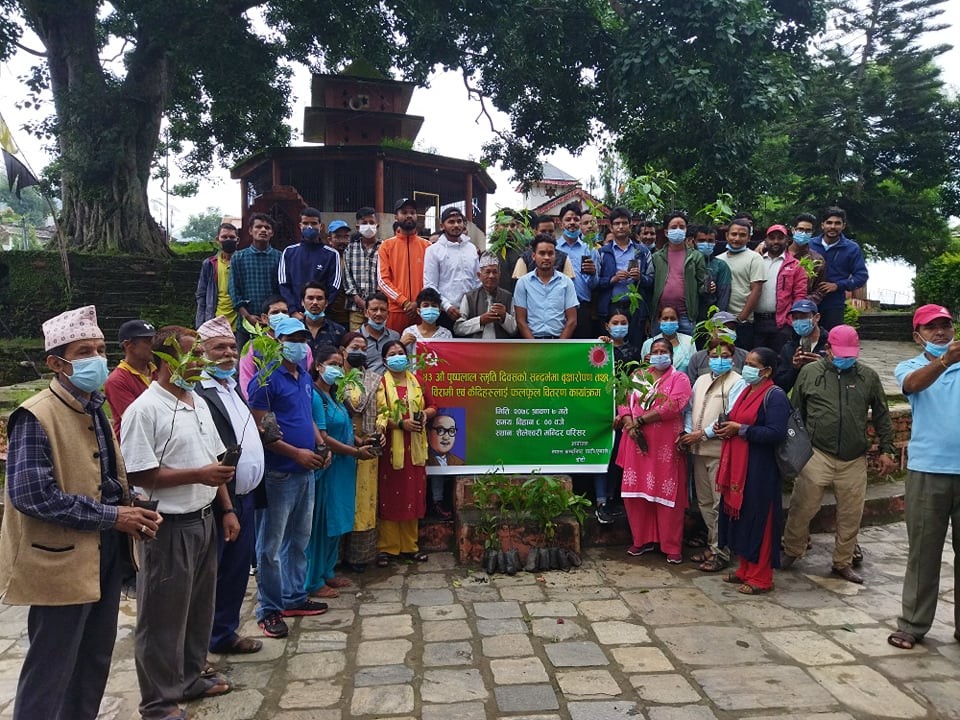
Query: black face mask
[
  {"x": 357, "y": 359},
  {"x": 228, "y": 246}
]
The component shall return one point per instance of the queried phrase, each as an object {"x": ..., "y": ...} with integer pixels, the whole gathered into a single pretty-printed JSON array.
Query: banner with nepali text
[{"x": 518, "y": 405}]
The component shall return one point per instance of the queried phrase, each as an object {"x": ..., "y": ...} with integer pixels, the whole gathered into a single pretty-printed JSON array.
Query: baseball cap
[
  {"x": 844, "y": 341},
  {"x": 402, "y": 202},
  {"x": 777, "y": 228},
  {"x": 288, "y": 326},
  {"x": 337, "y": 225},
  {"x": 449, "y": 212},
  {"x": 722, "y": 316},
  {"x": 804, "y": 306},
  {"x": 135, "y": 329},
  {"x": 928, "y": 313}
]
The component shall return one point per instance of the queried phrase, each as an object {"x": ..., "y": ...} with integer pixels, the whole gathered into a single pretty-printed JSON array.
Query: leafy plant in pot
[
  {"x": 351, "y": 384},
  {"x": 547, "y": 498},
  {"x": 267, "y": 356}
]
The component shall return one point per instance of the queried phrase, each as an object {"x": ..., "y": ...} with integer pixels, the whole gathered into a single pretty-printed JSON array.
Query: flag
[{"x": 17, "y": 173}]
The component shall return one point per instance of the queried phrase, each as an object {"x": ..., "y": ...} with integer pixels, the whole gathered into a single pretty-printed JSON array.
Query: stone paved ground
[{"x": 619, "y": 638}]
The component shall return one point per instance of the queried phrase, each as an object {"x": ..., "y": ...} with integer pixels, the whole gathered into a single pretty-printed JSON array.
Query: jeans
[{"x": 283, "y": 532}]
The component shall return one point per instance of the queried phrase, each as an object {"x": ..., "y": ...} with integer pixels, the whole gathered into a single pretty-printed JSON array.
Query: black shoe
[
  {"x": 848, "y": 574},
  {"x": 273, "y": 626},
  {"x": 307, "y": 607},
  {"x": 439, "y": 510},
  {"x": 787, "y": 561},
  {"x": 603, "y": 516}
]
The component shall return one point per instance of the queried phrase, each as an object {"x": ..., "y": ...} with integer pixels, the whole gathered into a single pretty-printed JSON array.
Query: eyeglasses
[{"x": 442, "y": 431}]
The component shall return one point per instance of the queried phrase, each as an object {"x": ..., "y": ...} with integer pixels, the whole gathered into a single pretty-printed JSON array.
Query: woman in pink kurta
[{"x": 654, "y": 486}]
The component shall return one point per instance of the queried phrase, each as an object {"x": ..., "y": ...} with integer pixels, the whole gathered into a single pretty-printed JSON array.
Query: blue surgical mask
[
  {"x": 89, "y": 374},
  {"x": 378, "y": 326},
  {"x": 750, "y": 374},
  {"x": 331, "y": 373},
  {"x": 619, "y": 331},
  {"x": 735, "y": 250},
  {"x": 676, "y": 235},
  {"x": 669, "y": 327},
  {"x": 732, "y": 334},
  {"x": 313, "y": 317},
  {"x": 430, "y": 314},
  {"x": 309, "y": 233},
  {"x": 397, "y": 363},
  {"x": 843, "y": 363},
  {"x": 719, "y": 365},
  {"x": 571, "y": 234},
  {"x": 275, "y": 318},
  {"x": 221, "y": 373},
  {"x": 930, "y": 347},
  {"x": 661, "y": 361},
  {"x": 706, "y": 248},
  {"x": 803, "y": 327},
  {"x": 183, "y": 384},
  {"x": 801, "y": 238},
  {"x": 294, "y": 352}
]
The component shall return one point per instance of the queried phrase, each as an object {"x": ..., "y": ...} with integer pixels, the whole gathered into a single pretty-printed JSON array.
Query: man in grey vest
[{"x": 487, "y": 311}]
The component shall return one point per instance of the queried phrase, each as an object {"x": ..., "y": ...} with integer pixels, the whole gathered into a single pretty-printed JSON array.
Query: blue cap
[
  {"x": 337, "y": 225},
  {"x": 804, "y": 306},
  {"x": 288, "y": 326}
]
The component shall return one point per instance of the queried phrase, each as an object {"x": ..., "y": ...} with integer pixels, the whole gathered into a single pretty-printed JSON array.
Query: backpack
[{"x": 796, "y": 450}]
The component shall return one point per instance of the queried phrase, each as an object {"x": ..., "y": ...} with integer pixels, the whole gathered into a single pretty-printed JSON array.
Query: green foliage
[
  {"x": 267, "y": 351},
  {"x": 718, "y": 211},
  {"x": 203, "y": 227},
  {"x": 397, "y": 143},
  {"x": 939, "y": 281},
  {"x": 351, "y": 382},
  {"x": 29, "y": 206},
  {"x": 851, "y": 316},
  {"x": 649, "y": 191}
]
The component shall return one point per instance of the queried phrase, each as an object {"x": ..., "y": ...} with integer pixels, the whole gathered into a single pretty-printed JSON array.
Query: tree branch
[
  {"x": 30, "y": 50},
  {"x": 472, "y": 93}
]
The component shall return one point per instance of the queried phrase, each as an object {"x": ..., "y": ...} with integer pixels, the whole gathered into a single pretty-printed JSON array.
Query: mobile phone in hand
[
  {"x": 633, "y": 265},
  {"x": 232, "y": 456}
]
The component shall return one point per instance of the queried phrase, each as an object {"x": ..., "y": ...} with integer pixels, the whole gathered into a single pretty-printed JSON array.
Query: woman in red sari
[
  {"x": 654, "y": 488},
  {"x": 751, "y": 518}
]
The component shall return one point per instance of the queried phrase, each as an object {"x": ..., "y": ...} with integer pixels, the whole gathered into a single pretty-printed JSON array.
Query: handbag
[{"x": 796, "y": 449}]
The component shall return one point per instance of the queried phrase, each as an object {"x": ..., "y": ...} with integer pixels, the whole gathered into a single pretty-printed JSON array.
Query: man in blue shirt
[
  {"x": 624, "y": 263},
  {"x": 545, "y": 301},
  {"x": 289, "y": 482},
  {"x": 931, "y": 382},
  {"x": 846, "y": 269},
  {"x": 309, "y": 260},
  {"x": 585, "y": 262},
  {"x": 253, "y": 274}
]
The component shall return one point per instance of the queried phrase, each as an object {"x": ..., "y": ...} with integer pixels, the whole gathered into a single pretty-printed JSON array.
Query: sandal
[
  {"x": 239, "y": 646},
  {"x": 325, "y": 591},
  {"x": 903, "y": 640},
  {"x": 714, "y": 564},
  {"x": 732, "y": 578},
  {"x": 383, "y": 559},
  {"x": 702, "y": 556},
  {"x": 338, "y": 582},
  {"x": 219, "y": 686},
  {"x": 748, "y": 589}
]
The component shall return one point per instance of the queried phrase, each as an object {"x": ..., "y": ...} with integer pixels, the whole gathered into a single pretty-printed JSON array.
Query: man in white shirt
[
  {"x": 747, "y": 276},
  {"x": 450, "y": 266},
  {"x": 170, "y": 446},
  {"x": 234, "y": 506}
]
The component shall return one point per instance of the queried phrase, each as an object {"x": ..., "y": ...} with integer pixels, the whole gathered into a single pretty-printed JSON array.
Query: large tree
[{"x": 685, "y": 81}]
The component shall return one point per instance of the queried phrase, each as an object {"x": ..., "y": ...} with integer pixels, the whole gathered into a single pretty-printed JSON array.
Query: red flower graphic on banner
[{"x": 599, "y": 356}]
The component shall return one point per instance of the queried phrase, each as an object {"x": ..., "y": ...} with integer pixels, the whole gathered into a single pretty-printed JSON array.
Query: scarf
[
  {"x": 418, "y": 441},
  {"x": 735, "y": 452}
]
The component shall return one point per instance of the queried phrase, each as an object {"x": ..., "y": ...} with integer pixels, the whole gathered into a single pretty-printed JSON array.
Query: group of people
[{"x": 218, "y": 458}]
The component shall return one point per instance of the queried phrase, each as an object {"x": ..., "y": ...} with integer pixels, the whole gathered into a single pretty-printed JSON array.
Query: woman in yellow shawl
[{"x": 401, "y": 495}]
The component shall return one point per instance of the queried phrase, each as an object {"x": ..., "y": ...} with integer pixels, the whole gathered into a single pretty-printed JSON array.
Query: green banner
[{"x": 519, "y": 405}]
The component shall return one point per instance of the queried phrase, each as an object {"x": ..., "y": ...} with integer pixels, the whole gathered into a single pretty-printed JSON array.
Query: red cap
[
  {"x": 777, "y": 228},
  {"x": 928, "y": 313},
  {"x": 844, "y": 341}
]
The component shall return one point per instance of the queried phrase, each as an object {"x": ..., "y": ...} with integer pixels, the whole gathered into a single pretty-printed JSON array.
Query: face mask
[
  {"x": 843, "y": 363},
  {"x": 183, "y": 384},
  {"x": 571, "y": 234},
  {"x": 705, "y": 247},
  {"x": 801, "y": 238},
  {"x": 649, "y": 245},
  {"x": 274, "y": 319},
  {"x": 357, "y": 359},
  {"x": 221, "y": 373},
  {"x": 397, "y": 363},
  {"x": 661, "y": 361},
  {"x": 430, "y": 314},
  {"x": 368, "y": 231},
  {"x": 378, "y": 326},
  {"x": 619, "y": 331},
  {"x": 735, "y": 250},
  {"x": 314, "y": 316},
  {"x": 750, "y": 374},
  {"x": 676, "y": 235},
  {"x": 718, "y": 365},
  {"x": 732, "y": 334},
  {"x": 89, "y": 374},
  {"x": 294, "y": 351},
  {"x": 932, "y": 348},
  {"x": 228, "y": 246},
  {"x": 669, "y": 327},
  {"x": 331, "y": 373},
  {"x": 309, "y": 233},
  {"x": 803, "y": 327}
]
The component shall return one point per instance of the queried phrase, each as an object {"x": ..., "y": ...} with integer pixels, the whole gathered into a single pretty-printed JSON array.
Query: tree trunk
[{"x": 107, "y": 129}]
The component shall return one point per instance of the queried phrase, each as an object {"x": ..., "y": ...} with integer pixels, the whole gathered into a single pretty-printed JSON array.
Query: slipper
[
  {"x": 383, "y": 559},
  {"x": 748, "y": 589},
  {"x": 239, "y": 646},
  {"x": 338, "y": 582},
  {"x": 903, "y": 640},
  {"x": 219, "y": 687},
  {"x": 325, "y": 591},
  {"x": 732, "y": 578},
  {"x": 209, "y": 671}
]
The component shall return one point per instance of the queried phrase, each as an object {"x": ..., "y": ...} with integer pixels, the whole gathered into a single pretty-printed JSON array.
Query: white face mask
[{"x": 368, "y": 231}]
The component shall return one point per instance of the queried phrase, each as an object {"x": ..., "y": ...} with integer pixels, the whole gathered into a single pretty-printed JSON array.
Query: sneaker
[
  {"x": 273, "y": 626},
  {"x": 307, "y": 607},
  {"x": 675, "y": 559},
  {"x": 603, "y": 515},
  {"x": 439, "y": 510},
  {"x": 635, "y": 551}
]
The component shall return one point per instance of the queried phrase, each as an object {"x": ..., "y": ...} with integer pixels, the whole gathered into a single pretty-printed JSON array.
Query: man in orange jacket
[{"x": 400, "y": 267}]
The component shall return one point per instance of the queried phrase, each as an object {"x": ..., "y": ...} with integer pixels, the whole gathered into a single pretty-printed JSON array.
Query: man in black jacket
[{"x": 234, "y": 507}]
